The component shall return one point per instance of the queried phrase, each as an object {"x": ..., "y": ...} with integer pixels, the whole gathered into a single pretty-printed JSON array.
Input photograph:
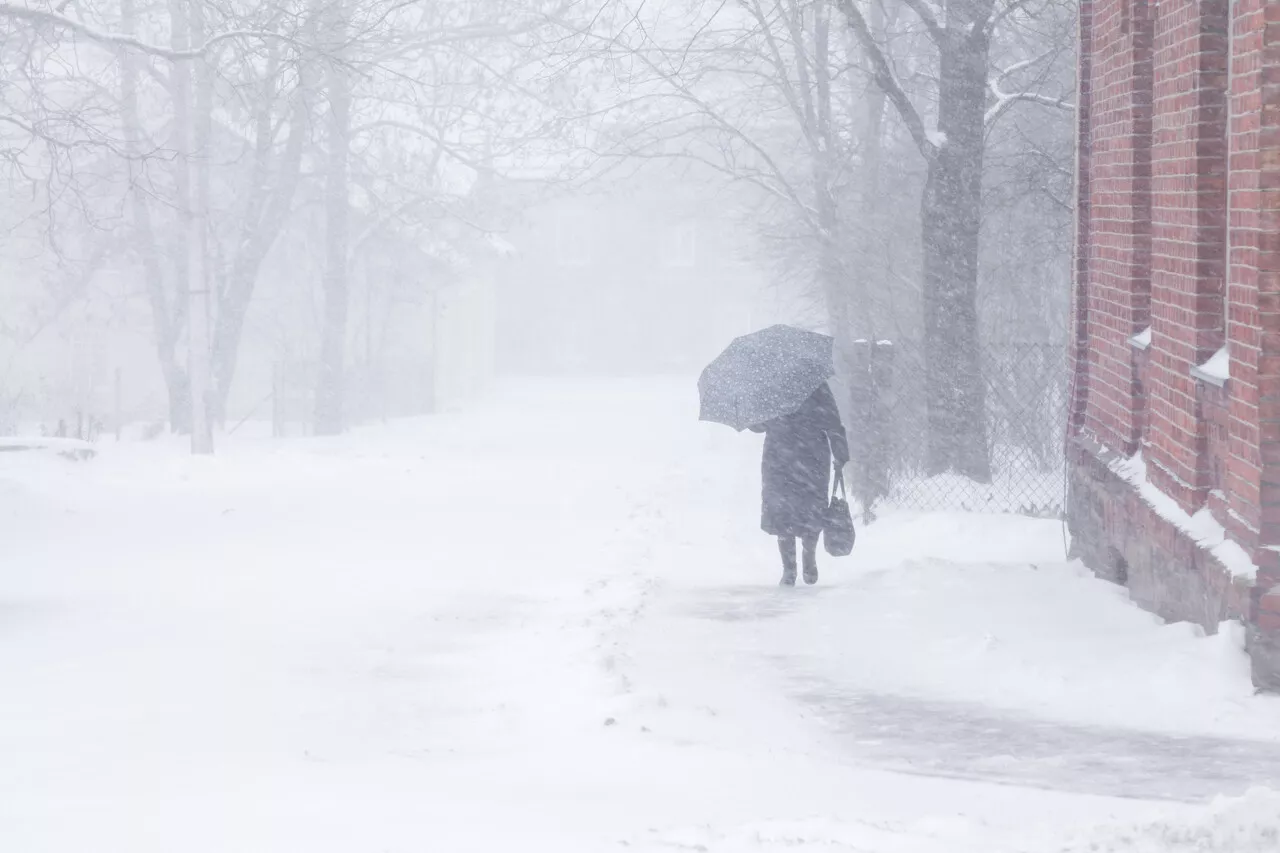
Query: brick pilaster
[
  {"x": 1188, "y": 245},
  {"x": 1118, "y": 291},
  {"x": 1253, "y": 293},
  {"x": 1079, "y": 352}
]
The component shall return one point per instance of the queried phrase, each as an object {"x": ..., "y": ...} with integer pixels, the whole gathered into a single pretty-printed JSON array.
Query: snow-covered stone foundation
[{"x": 1184, "y": 568}]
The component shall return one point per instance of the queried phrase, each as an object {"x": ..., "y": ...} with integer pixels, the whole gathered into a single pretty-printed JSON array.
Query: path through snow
[{"x": 550, "y": 624}]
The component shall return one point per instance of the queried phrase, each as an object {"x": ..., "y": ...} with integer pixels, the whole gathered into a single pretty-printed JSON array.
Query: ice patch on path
[{"x": 1249, "y": 824}]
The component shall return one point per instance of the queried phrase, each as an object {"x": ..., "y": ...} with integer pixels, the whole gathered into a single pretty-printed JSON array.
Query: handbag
[{"x": 837, "y": 524}]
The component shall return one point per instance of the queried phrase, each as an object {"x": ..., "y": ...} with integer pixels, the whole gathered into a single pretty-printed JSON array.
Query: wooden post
[
  {"x": 880, "y": 432},
  {"x": 119, "y": 413},
  {"x": 275, "y": 401}
]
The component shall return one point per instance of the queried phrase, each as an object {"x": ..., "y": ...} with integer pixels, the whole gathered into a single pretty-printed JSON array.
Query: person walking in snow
[{"x": 799, "y": 449}]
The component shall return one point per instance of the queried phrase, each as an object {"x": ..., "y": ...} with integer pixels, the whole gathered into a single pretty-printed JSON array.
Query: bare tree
[
  {"x": 745, "y": 90},
  {"x": 275, "y": 85},
  {"x": 767, "y": 93},
  {"x": 164, "y": 166},
  {"x": 951, "y": 209},
  {"x": 168, "y": 307},
  {"x": 333, "y": 341},
  {"x": 418, "y": 90}
]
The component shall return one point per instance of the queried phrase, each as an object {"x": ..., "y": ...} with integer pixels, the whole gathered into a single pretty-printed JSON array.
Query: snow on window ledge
[
  {"x": 1142, "y": 340},
  {"x": 1215, "y": 371}
]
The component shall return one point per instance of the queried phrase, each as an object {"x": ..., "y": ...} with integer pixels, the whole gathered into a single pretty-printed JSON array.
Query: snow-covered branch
[{"x": 1005, "y": 100}]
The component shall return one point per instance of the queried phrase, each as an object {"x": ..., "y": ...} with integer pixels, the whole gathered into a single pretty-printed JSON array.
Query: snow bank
[
  {"x": 1249, "y": 824},
  {"x": 967, "y": 608},
  {"x": 778, "y": 836},
  {"x": 71, "y": 447},
  {"x": 1045, "y": 639}
]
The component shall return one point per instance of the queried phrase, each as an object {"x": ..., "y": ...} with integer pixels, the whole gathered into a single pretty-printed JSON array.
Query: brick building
[{"x": 1174, "y": 440}]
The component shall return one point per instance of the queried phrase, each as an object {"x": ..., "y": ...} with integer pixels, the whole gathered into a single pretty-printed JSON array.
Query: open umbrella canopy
[{"x": 764, "y": 375}]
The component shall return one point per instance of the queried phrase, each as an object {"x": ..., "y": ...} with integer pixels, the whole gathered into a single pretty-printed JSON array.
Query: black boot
[
  {"x": 787, "y": 547},
  {"x": 811, "y": 559}
]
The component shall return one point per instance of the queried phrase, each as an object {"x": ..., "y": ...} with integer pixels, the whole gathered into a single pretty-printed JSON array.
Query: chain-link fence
[{"x": 1026, "y": 413}]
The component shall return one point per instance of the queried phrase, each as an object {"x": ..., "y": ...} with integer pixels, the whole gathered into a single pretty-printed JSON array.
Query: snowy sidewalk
[
  {"x": 965, "y": 740},
  {"x": 551, "y": 624},
  {"x": 999, "y": 664}
]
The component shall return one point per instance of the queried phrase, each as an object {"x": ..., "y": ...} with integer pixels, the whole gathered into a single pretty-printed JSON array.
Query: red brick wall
[
  {"x": 1179, "y": 207},
  {"x": 1117, "y": 300},
  {"x": 1188, "y": 243},
  {"x": 1254, "y": 274}
]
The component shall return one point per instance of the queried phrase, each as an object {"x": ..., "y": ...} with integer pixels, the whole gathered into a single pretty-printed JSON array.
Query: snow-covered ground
[{"x": 550, "y": 623}]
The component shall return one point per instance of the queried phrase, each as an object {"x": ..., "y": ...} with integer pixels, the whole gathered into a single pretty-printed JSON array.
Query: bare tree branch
[
  {"x": 1005, "y": 100},
  {"x": 886, "y": 80},
  {"x": 60, "y": 21},
  {"x": 1010, "y": 8},
  {"x": 926, "y": 15},
  {"x": 801, "y": 103}
]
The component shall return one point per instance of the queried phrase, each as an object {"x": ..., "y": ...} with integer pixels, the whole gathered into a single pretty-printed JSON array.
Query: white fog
[{"x": 588, "y": 425}]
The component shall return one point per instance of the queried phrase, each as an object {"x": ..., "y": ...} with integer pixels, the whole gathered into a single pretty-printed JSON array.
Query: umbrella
[{"x": 764, "y": 375}]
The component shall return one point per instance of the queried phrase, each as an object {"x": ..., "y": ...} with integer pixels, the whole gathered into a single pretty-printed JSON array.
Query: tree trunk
[
  {"x": 830, "y": 264},
  {"x": 197, "y": 238},
  {"x": 165, "y": 318},
  {"x": 865, "y": 275},
  {"x": 270, "y": 202},
  {"x": 333, "y": 343},
  {"x": 951, "y": 218},
  {"x": 267, "y": 211},
  {"x": 180, "y": 254},
  {"x": 868, "y": 435}
]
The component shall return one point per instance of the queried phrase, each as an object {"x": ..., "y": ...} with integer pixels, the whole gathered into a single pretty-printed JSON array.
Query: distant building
[
  {"x": 1175, "y": 419},
  {"x": 421, "y": 322},
  {"x": 645, "y": 276}
]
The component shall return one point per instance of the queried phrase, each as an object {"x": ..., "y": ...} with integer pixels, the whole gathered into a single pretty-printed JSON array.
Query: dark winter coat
[{"x": 798, "y": 453}]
